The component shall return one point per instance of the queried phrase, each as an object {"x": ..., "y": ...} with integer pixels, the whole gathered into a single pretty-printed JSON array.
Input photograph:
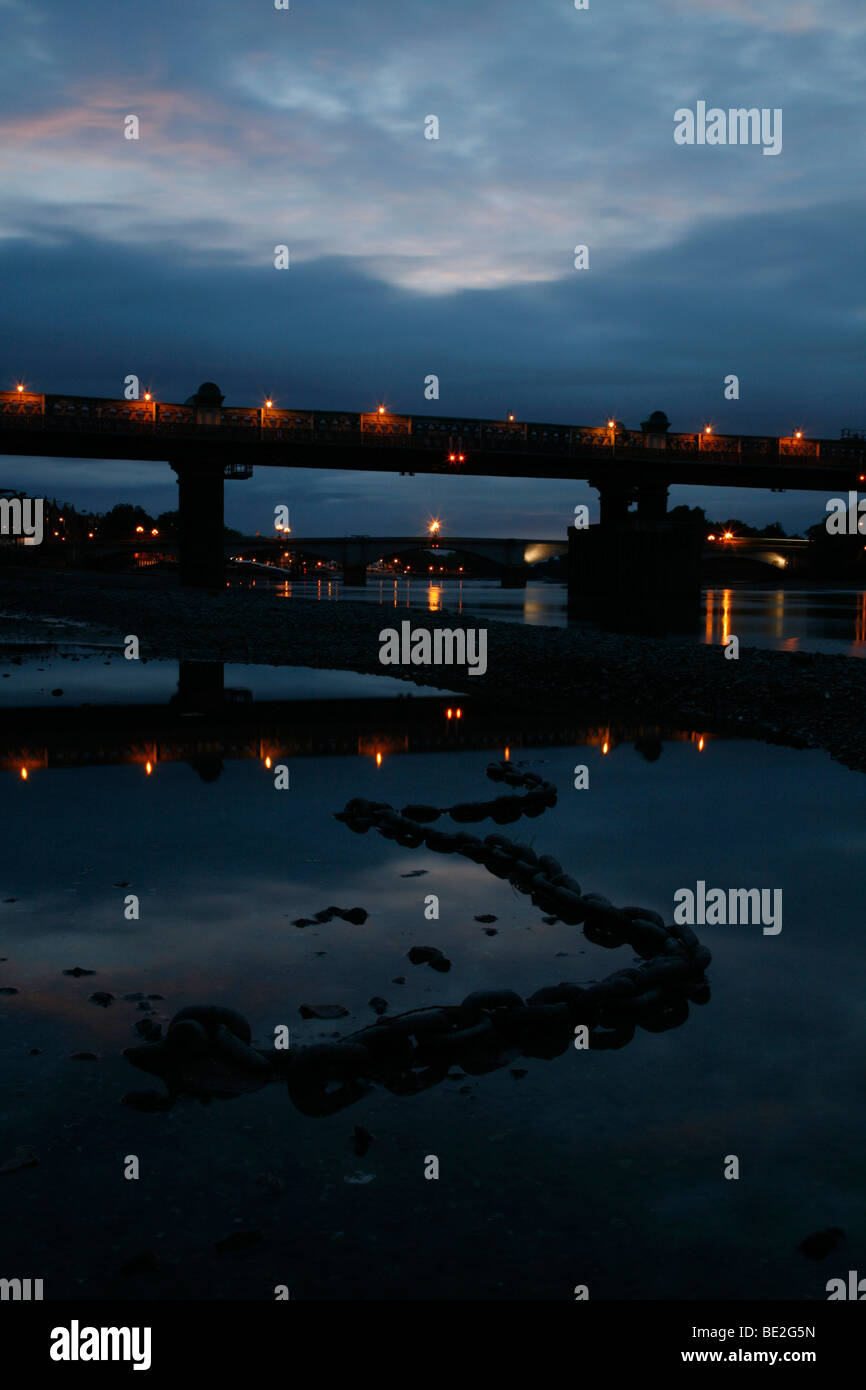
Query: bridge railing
[{"x": 245, "y": 424}]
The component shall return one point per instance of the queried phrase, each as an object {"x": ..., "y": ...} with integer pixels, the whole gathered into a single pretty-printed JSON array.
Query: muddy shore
[{"x": 799, "y": 698}]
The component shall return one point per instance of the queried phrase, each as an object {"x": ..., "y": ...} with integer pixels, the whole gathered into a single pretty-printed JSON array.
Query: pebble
[
  {"x": 323, "y": 1011},
  {"x": 77, "y": 971},
  {"x": 102, "y": 997},
  {"x": 362, "y": 1139},
  {"x": 149, "y": 1030},
  {"x": 822, "y": 1243}
]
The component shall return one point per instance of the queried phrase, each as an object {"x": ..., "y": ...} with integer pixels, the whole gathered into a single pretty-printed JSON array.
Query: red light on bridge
[
  {"x": 511, "y": 419},
  {"x": 461, "y": 458},
  {"x": 711, "y": 537},
  {"x": 451, "y": 458}
]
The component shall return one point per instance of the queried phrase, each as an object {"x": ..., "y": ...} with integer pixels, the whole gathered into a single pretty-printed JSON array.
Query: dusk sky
[{"x": 412, "y": 256}]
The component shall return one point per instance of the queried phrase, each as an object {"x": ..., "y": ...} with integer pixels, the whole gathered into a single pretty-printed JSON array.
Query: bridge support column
[
  {"x": 652, "y": 501},
  {"x": 635, "y": 578},
  {"x": 614, "y": 499},
  {"x": 201, "y": 524}
]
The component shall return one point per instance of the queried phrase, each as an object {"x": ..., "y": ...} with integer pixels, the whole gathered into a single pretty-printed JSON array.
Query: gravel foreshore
[{"x": 798, "y": 698}]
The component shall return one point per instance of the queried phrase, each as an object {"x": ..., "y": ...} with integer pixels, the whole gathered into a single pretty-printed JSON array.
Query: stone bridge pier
[
  {"x": 634, "y": 571},
  {"x": 201, "y": 524}
]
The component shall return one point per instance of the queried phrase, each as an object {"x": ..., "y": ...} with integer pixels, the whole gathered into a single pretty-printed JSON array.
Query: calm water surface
[
  {"x": 602, "y": 1168},
  {"x": 814, "y": 620}
]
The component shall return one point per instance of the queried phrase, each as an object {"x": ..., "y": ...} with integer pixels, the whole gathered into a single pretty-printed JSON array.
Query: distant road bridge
[
  {"x": 355, "y": 553},
  {"x": 206, "y": 442}
]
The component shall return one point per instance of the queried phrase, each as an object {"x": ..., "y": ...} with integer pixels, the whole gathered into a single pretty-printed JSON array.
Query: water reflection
[
  {"x": 224, "y": 871},
  {"x": 206, "y": 722},
  {"x": 795, "y": 619}
]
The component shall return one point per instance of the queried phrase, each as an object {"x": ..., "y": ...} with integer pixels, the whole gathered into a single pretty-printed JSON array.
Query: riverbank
[{"x": 805, "y": 699}]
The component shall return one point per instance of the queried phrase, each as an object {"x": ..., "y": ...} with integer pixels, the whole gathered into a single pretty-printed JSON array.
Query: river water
[
  {"x": 794, "y": 619},
  {"x": 603, "y": 1168}
]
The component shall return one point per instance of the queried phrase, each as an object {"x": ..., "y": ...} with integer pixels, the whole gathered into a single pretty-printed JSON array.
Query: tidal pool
[{"x": 598, "y": 1168}]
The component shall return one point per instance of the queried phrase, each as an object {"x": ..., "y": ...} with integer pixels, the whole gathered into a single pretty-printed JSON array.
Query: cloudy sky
[{"x": 455, "y": 256}]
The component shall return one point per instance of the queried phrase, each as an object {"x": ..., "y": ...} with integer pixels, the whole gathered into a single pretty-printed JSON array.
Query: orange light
[
  {"x": 449, "y": 714},
  {"x": 708, "y": 429},
  {"x": 507, "y": 754},
  {"x": 20, "y": 389},
  {"x": 154, "y": 532},
  {"x": 268, "y": 761},
  {"x": 148, "y": 767},
  {"x": 24, "y": 774},
  {"x": 458, "y": 714},
  {"x": 378, "y": 759},
  {"x": 147, "y": 395},
  {"x": 701, "y": 744},
  {"x": 90, "y": 535},
  {"x": 460, "y": 458},
  {"x": 799, "y": 434},
  {"x": 511, "y": 417},
  {"x": 729, "y": 535},
  {"x": 381, "y": 410},
  {"x": 611, "y": 424},
  {"x": 268, "y": 404},
  {"x": 451, "y": 458},
  {"x": 711, "y": 538},
  {"x": 605, "y": 746},
  {"x": 138, "y": 529}
]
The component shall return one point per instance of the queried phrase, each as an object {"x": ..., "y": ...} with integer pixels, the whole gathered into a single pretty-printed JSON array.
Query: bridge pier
[
  {"x": 201, "y": 524},
  {"x": 641, "y": 577},
  {"x": 652, "y": 501},
  {"x": 614, "y": 500}
]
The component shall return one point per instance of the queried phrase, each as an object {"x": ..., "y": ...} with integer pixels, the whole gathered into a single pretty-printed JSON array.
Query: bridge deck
[{"x": 233, "y": 438}]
